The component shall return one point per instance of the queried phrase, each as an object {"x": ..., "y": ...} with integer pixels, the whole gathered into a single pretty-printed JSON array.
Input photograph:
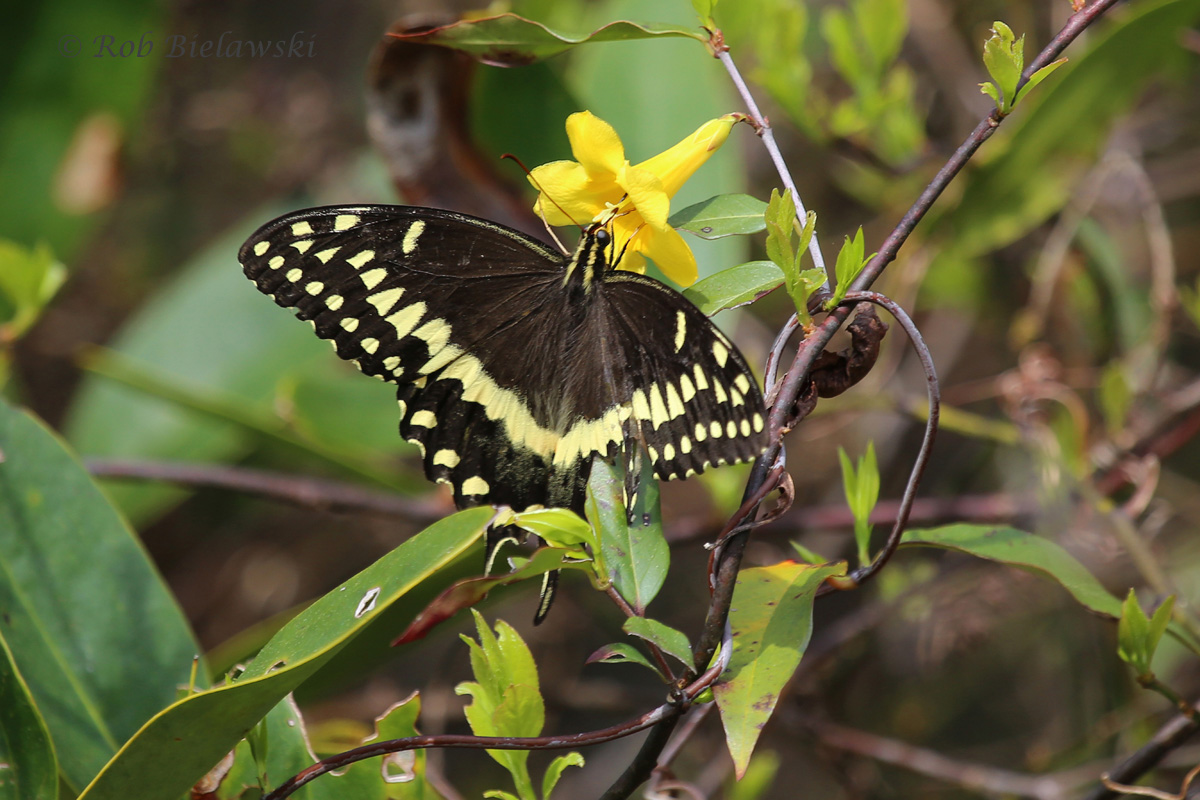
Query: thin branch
[
  {"x": 763, "y": 127},
  {"x": 465, "y": 742},
  {"x": 977, "y": 777},
  {"x": 306, "y": 492},
  {"x": 1169, "y": 737}
]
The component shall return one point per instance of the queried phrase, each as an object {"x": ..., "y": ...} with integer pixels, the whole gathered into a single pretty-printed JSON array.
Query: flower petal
[
  {"x": 567, "y": 196},
  {"x": 676, "y": 165},
  {"x": 646, "y": 194},
  {"x": 595, "y": 144},
  {"x": 669, "y": 251}
]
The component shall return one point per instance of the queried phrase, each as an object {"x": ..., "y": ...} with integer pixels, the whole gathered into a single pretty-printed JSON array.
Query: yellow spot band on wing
[{"x": 475, "y": 486}]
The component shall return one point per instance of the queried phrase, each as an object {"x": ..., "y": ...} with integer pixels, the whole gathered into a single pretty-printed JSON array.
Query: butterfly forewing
[{"x": 510, "y": 376}]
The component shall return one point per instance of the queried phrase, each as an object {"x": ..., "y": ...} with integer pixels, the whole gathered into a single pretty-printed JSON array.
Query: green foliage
[
  {"x": 1004, "y": 57},
  {"x": 29, "y": 279},
  {"x": 671, "y": 641},
  {"x": 850, "y": 263},
  {"x": 560, "y": 527},
  {"x": 1138, "y": 636},
  {"x": 771, "y": 622},
  {"x": 631, "y": 544},
  {"x": 862, "y": 493},
  {"x": 185, "y": 739},
  {"x": 720, "y": 216},
  {"x": 735, "y": 286},
  {"x": 787, "y": 253},
  {"x": 510, "y": 40},
  {"x": 621, "y": 653},
  {"x": 30, "y": 767},
  {"x": 506, "y": 701},
  {"x": 96, "y": 671}
]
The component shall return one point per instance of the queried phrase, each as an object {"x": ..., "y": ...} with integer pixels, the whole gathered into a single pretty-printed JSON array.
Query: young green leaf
[
  {"x": 669, "y": 640},
  {"x": 29, "y": 278},
  {"x": 862, "y": 493},
  {"x": 1037, "y": 78},
  {"x": 505, "y": 697},
  {"x": 1138, "y": 636},
  {"x": 555, "y": 771},
  {"x": 781, "y": 228},
  {"x": 621, "y": 653},
  {"x": 780, "y": 220},
  {"x": 850, "y": 263},
  {"x": 561, "y": 527},
  {"x": 1004, "y": 58}
]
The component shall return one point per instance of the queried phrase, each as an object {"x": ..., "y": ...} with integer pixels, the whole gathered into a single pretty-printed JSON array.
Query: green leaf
[
  {"x": 737, "y": 286},
  {"x": 1004, "y": 57},
  {"x": 560, "y": 527},
  {"x": 505, "y": 696},
  {"x": 1037, "y": 78},
  {"x": 636, "y": 553},
  {"x": 406, "y": 771},
  {"x": 508, "y": 40},
  {"x": 862, "y": 493},
  {"x": 184, "y": 741},
  {"x": 771, "y": 622},
  {"x": 723, "y": 215},
  {"x": 1132, "y": 635},
  {"x": 29, "y": 279},
  {"x": 844, "y": 52},
  {"x": 1026, "y": 551},
  {"x": 989, "y": 88},
  {"x": 883, "y": 26},
  {"x": 1138, "y": 636},
  {"x": 30, "y": 768},
  {"x": 621, "y": 653},
  {"x": 89, "y": 622},
  {"x": 780, "y": 221},
  {"x": 850, "y": 263},
  {"x": 555, "y": 771},
  {"x": 670, "y": 641}
]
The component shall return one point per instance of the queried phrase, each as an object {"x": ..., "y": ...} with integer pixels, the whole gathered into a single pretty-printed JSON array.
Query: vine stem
[{"x": 867, "y": 571}]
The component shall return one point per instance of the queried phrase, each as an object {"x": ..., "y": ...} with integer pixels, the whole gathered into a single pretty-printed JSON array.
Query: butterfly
[{"x": 515, "y": 365}]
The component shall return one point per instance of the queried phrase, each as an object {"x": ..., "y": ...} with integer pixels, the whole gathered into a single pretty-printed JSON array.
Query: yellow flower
[{"x": 601, "y": 184}]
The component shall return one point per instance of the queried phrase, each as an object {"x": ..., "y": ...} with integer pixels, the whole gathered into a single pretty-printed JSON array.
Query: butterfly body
[{"x": 515, "y": 365}]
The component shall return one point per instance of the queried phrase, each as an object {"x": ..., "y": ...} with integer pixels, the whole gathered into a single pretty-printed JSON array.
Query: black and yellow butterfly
[{"x": 515, "y": 365}]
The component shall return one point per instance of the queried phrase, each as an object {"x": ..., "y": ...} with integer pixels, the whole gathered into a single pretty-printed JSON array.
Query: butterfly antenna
[{"x": 542, "y": 193}]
